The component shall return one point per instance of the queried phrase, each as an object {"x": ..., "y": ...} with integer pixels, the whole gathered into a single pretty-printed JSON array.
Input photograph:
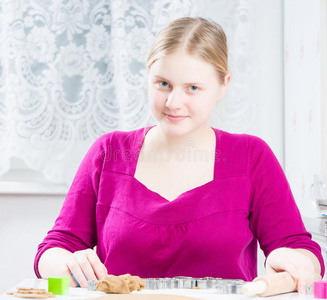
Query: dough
[{"x": 123, "y": 284}]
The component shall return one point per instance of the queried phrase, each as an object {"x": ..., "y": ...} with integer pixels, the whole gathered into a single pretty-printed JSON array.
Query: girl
[{"x": 180, "y": 198}]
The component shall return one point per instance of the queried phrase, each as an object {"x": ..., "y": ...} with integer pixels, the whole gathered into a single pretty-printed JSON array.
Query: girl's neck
[{"x": 199, "y": 138}]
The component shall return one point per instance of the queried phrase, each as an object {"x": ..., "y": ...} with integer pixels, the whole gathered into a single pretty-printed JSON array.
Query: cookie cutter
[
  {"x": 206, "y": 282},
  {"x": 91, "y": 285},
  {"x": 178, "y": 282},
  {"x": 226, "y": 286}
]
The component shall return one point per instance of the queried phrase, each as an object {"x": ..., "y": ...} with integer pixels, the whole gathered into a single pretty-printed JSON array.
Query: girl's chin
[
  {"x": 183, "y": 128},
  {"x": 174, "y": 129}
]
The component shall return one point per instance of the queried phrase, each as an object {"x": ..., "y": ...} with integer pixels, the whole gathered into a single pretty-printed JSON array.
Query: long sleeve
[
  {"x": 275, "y": 218},
  {"x": 75, "y": 227}
]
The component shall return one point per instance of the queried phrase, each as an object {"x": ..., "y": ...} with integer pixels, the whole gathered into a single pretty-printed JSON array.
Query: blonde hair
[{"x": 197, "y": 36}]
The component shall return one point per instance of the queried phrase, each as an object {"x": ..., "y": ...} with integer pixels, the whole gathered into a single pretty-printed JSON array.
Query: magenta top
[{"x": 211, "y": 230}]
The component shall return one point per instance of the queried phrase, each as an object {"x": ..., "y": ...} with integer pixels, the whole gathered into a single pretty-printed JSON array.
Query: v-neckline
[
  {"x": 179, "y": 196},
  {"x": 138, "y": 147}
]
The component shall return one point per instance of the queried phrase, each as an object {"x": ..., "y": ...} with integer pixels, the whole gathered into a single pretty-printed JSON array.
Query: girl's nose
[{"x": 175, "y": 100}]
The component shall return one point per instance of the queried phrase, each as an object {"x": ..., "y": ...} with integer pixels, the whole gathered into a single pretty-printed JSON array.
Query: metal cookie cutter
[
  {"x": 157, "y": 283},
  {"x": 178, "y": 282},
  {"x": 91, "y": 285},
  {"x": 225, "y": 286},
  {"x": 152, "y": 283},
  {"x": 206, "y": 282},
  {"x": 185, "y": 282}
]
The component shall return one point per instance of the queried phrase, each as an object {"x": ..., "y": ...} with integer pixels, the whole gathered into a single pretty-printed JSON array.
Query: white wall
[
  {"x": 303, "y": 102},
  {"x": 24, "y": 221},
  {"x": 323, "y": 57},
  {"x": 269, "y": 83}
]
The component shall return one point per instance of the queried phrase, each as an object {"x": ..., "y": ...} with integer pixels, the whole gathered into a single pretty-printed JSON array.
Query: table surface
[{"x": 83, "y": 293}]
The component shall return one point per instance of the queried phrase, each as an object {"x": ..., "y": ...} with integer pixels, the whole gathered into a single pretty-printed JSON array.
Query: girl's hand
[
  {"x": 298, "y": 262},
  {"x": 85, "y": 265}
]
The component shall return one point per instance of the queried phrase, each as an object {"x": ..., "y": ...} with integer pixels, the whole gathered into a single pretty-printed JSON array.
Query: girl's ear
[{"x": 224, "y": 87}]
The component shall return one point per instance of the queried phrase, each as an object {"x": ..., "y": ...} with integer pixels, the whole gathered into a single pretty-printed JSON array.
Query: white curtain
[{"x": 72, "y": 70}]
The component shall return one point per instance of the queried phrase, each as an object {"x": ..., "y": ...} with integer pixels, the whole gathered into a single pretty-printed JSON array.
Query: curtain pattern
[{"x": 72, "y": 70}]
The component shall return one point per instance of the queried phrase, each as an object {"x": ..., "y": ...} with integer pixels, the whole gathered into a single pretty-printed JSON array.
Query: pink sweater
[{"x": 211, "y": 230}]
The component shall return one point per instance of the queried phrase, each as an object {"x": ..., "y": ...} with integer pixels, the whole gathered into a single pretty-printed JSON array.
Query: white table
[{"x": 83, "y": 293}]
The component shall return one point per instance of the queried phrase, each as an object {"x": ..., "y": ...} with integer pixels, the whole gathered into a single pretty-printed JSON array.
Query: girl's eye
[
  {"x": 163, "y": 84},
  {"x": 194, "y": 88}
]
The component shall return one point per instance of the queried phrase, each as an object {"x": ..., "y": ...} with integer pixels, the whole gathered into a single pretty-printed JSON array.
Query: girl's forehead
[
  {"x": 181, "y": 64},
  {"x": 180, "y": 58}
]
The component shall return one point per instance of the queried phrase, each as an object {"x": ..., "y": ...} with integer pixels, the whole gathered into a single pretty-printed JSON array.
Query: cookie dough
[{"x": 123, "y": 284}]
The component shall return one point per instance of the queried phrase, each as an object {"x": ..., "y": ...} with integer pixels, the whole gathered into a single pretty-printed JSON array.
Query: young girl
[{"x": 180, "y": 198}]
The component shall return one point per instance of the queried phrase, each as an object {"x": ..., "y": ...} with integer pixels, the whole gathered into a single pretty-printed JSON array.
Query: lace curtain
[{"x": 72, "y": 70}]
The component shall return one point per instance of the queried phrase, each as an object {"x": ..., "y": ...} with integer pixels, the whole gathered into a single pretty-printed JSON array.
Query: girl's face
[{"x": 183, "y": 91}]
